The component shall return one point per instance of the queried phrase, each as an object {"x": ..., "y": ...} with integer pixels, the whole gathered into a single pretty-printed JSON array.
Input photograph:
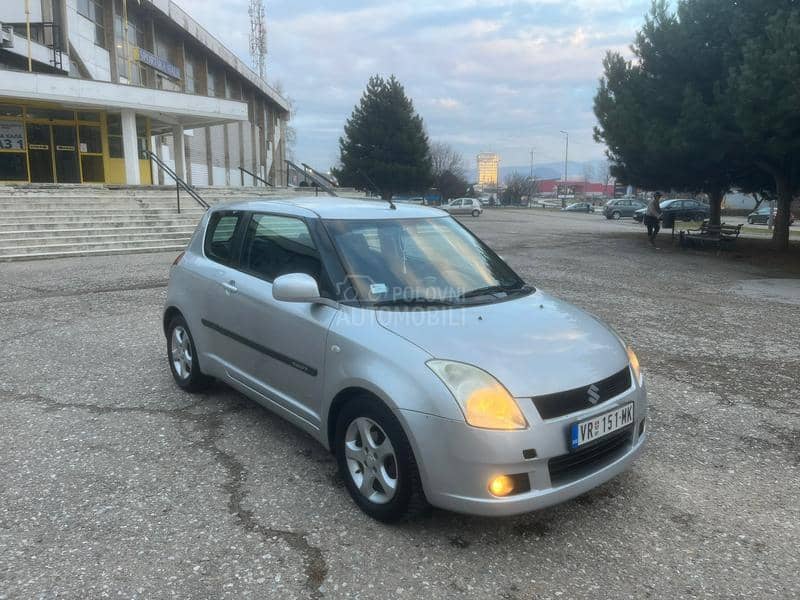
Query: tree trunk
[
  {"x": 780, "y": 235},
  {"x": 715, "y": 198}
]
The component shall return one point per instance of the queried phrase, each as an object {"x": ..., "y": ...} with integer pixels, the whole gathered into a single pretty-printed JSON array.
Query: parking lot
[{"x": 113, "y": 483}]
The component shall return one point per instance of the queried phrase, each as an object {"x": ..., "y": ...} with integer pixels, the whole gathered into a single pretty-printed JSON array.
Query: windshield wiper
[
  {"x": 493, "y": 289},
  {"x": 415, "y": 301}
]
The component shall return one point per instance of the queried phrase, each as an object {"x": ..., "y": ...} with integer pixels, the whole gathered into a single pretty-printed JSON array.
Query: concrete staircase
[{"x": 54, "y": 221}]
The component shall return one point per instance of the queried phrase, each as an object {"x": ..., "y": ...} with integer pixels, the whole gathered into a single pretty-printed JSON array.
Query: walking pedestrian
[{"x": 652, "y": 218}]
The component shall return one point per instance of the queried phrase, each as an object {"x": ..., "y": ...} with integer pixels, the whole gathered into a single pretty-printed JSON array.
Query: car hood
[{"x": 533, "y": 345}]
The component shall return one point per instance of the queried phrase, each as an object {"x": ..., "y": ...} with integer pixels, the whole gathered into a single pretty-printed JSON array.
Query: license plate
[{"x": 592, "y": 429}]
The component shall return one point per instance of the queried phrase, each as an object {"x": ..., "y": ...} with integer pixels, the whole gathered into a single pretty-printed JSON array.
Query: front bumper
[{"x": 457, "y": 461}]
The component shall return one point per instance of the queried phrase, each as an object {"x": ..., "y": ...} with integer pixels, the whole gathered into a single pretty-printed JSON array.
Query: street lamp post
[{"x": 566, "y": 161}]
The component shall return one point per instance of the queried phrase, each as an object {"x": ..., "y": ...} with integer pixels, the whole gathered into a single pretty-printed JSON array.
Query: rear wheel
[
  {"x": 476, "y": 213},
  {"x": 616, "y": 215},
  {"x": 749, "y": 220},
  {"x": 376, "y": 461},
  {"x": 182, "y": 354}
]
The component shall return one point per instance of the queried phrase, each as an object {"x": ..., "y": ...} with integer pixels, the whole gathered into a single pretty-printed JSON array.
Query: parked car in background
[
  {"x": 622, "y": 207},
  {"x": 584, "y": 207},
  {"x": 678, "y": 209},
  {"x": 464, "y": 206},
  {"x": 761, "y": 216},
  {"x": 302, "y": 304}
]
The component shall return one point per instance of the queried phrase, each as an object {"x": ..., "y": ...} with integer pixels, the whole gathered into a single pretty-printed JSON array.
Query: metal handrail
[
  {"x": 309, "y": 173},
  {"x": 254, "y": 176},
  {"x": 180, "y": 184}
]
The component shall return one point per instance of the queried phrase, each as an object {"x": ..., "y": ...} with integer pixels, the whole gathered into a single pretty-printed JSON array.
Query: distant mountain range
[{"x": 553, "y": 170}]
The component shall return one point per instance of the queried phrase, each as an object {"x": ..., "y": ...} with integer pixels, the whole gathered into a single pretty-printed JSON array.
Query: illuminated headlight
[
  {"x": 483, "y": 400},
  {"x": 634, "y": 360}
]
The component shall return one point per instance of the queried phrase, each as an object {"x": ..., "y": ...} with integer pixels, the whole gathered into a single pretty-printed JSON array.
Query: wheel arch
[
  {"x": 170, "y": 313},
  {"x": 338, "y": 403}
]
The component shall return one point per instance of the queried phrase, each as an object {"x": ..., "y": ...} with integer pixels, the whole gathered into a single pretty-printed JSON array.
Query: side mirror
[{"x": 298, "y": 287}]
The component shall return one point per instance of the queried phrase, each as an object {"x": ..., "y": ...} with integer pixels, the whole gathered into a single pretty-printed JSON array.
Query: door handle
[{"x": 230, "y": 287}]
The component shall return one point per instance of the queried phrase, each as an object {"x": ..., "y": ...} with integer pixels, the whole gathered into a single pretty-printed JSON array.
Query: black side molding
[{"x": 308, "y": 370}]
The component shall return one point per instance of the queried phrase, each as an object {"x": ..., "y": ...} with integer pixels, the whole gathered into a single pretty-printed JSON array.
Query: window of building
[
  {"x": 50, "y": 115},
  {"x": 127, "y": 67},
  {"x": 141, "y": 137},
  {"x": 233, "y": 89},
  {"x": 8, "y": 110},
  {"x": 115, "y": 147},
  {"x": 13, "y": 156},
  {"x": 188, "y": 76},
  {"x": 211, "y": 82},
  {"x": 93, "y": 10}
]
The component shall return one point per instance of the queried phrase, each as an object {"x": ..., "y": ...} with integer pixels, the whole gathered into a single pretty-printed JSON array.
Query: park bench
[{"x": 718, "y": 236}]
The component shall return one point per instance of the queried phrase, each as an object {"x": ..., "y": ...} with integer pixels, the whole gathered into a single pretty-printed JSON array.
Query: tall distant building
[{"x": 488, "y": 169}]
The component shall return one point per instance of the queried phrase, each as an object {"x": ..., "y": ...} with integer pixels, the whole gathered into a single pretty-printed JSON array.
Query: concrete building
[
  {"x": 488, "y": 169},
  {"x": 98, "y": 84}
]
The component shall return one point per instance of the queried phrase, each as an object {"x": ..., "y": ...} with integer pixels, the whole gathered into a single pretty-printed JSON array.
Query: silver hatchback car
[{"x": 407, "y": 347}]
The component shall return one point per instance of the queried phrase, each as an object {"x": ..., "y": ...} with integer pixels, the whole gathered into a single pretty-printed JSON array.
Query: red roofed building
[{"x": 575, "y": 187}]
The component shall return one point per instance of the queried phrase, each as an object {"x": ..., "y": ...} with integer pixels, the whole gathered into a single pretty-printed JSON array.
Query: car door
[
  {"x": 212, "y": 282},
  {"x": 454, "y": 207},
  {"x": 282, "y": 344}
]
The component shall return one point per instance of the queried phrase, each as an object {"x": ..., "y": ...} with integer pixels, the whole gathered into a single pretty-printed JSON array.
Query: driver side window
[{"x": 277, "y": 245}]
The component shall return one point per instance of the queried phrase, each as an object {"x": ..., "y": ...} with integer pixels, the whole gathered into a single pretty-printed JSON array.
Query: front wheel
[
  {"x": 182, "y": 354},
  {"x": 376, "y": 461},
  {"x": 476, "y": 213},
  {"x": 616, "y": 215}
]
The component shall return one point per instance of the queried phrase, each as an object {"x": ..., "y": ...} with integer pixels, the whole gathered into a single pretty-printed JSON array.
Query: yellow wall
[{"x": 116, "y": 170}]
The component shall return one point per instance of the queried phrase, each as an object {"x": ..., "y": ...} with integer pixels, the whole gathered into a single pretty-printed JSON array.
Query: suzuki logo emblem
[{"x": 593, "y": 394}]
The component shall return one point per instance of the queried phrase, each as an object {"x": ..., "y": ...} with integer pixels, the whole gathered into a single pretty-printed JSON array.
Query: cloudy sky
[{"x": 502, "y": 76}]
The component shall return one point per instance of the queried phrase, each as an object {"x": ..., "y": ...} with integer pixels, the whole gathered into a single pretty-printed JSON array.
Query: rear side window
[
  {"x": 219, "y": 237},
  {"x": 277, "y": 245}
]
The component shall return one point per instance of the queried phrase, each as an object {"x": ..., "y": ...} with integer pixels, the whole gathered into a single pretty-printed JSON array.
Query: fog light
[{"x": 502, "y": 485}]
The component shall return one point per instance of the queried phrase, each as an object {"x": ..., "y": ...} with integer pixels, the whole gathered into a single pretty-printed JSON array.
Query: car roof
[{"x": 330, "y": 207}]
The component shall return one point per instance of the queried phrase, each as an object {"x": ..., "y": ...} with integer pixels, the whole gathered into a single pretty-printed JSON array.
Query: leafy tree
[
  {"x": 667, "y": 117},
  {"x": 384, "y": 144},
  {"x": 766, "y": 88},
  {"x": 659, "y": 116}
]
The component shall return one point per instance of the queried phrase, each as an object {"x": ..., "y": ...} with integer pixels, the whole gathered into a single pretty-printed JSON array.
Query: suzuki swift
[{"x": 406, "y": 346}]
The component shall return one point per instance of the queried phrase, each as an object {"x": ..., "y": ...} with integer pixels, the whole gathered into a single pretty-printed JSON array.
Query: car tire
[
  {"x": 749, "y": 220},
  {"x": 183, "y": 358},
  {"x": 616, "y": 215},
  {"x": 394, "y": 464},
  {"x": 476, "y": 213}
]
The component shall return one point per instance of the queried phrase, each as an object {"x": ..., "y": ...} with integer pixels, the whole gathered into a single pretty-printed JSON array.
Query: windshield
[{"x": 424, "y": 262}]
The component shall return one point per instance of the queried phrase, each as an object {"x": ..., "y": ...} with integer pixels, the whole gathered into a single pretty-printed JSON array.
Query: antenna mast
[{"x": 258, "y": 37}]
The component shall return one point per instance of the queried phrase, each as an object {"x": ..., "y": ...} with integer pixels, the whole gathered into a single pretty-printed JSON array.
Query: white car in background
[{"x": 464, "y": 206}]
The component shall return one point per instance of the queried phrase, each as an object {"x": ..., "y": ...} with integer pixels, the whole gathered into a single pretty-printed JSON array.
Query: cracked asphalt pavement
[{"x": 113, "y": 483}]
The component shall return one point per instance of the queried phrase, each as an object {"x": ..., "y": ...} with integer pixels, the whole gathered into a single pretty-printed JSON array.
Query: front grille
[
  {"x": 580, "y": 463},
  {"x": 564, "y": 403}
]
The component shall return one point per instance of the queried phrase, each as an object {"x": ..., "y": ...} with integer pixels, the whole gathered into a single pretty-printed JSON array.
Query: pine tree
[{"x": 384, "y": 144}]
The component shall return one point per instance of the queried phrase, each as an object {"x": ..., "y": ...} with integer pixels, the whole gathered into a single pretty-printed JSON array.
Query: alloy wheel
[
  {"x": 181, "y": 352},
  {"x": 371, "y": 460}
]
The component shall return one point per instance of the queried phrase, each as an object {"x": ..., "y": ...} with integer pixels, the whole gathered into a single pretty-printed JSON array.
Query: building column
[
  {"x": 130, "y": 147},
  {"x": 179, "y": 148}
]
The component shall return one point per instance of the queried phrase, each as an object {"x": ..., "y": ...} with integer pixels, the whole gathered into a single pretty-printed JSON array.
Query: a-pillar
[
  {"x": 130, "y": 147},
  {"x": 179, "y": 145}
]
